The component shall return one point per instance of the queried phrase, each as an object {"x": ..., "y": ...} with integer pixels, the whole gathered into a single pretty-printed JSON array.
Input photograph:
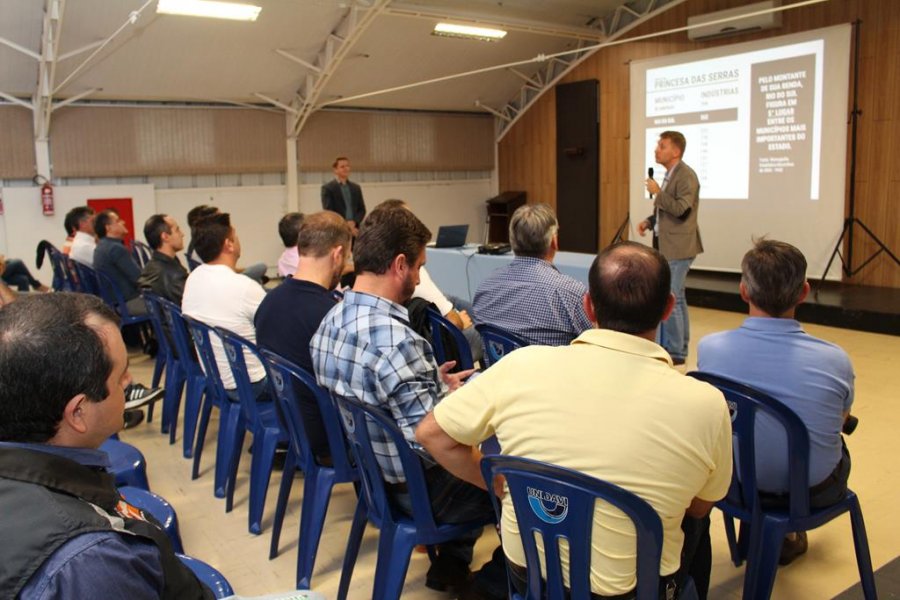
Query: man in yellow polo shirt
[{"x": 610, "y": 405}]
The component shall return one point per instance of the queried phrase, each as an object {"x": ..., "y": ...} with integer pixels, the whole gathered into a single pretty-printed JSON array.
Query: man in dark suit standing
[
  {"x": 343, "y": 196},
  {"x": 675, "y": 233}
]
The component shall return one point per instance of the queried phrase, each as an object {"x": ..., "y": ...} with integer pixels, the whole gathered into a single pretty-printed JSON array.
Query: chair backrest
[
  {"x": 201, "y": 334},
  {"x": 192, "y": 264},
  {"x": 141, "y": 253},
  {"x": 112, "y": 295},
  {"x": 160, "y": 328},
  {"x": 284, "y": 376},
  {"x": 210, "y": 576},
  {"x": 181, "y": 337},
  {"x": 498, "y": 342},
  {"x": 62, "y": 279},
  {"x": 558, "y": 503},
  {"x": 357, "y": 419},
  {"x": 442, "y": 332},
  {"x": 236, "y": 350},
  {"x": 744, "y": 403},
  {"x": 87, "y": 278}
]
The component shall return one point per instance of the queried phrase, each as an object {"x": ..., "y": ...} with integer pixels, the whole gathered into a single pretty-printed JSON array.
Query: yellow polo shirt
[{"x": 609, "y": 405}]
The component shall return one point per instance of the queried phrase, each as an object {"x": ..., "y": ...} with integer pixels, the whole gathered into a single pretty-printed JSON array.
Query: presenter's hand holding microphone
[{"x": 653, "y": 188}]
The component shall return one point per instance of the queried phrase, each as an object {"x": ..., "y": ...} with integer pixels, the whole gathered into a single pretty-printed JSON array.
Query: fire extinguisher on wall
[{"x": 46, "y": 196}]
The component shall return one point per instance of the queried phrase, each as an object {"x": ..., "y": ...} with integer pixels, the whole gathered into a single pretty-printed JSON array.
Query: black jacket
[
  {"x": 333, "y": 200},
  {"x": 164, "y": 276}
]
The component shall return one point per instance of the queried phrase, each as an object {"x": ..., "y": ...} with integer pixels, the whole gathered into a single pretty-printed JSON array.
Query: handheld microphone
[{"x": 650, "y": 175}]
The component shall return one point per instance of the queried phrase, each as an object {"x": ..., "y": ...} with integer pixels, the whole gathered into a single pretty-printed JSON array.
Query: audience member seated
[
  {"x": 14, "y": 272},
  {"x": 164, "y": 274},
  {"x": 814, "y": 378},
  {"x": 113, "y": 258},
  {"x": 610, "y": 405},
  {"x": 428, "y": 291},
  {"x": 291, "y": 313},
  {"x": 256, "y": 272},
  {"x": 6, "y": 294},
  {"x": 288, "y": 229},
  {"x": 218, "y": 296},
  {"x": 80, "y": 225},
  {"x": 530, "y": 297},
  {"x": 67, "y": 532},
  {"x": 365, "y": 350}
]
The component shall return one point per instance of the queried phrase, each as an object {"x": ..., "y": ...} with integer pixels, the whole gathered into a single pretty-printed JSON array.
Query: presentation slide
[{"x": 765, "y": 124}]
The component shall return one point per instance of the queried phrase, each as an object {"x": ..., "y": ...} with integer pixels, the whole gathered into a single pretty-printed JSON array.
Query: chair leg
[
  {"x": 736, "y": 558},
  {"x": 231, "y": 440},
  {"x": 172, "y": 399},
  {"x": 354, "y": 540},
  {"x": 316, "y": 494},
  {"x": 861, "y": 545},
  {"x": 260, "y": 473},
  {"x": 394, "y": 549},
  {"x": 201, "y": 436},
  {"x": 161, "y": 358},
  {"x": 766, "y": 538},
  {"x": 196, "y": 388},
  {"x": 284, "y": 492}
]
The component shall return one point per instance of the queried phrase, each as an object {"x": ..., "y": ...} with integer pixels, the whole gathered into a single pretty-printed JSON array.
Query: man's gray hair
[
  {"x": 773, "y": 274},
  {"x": 531, "y": 229}
]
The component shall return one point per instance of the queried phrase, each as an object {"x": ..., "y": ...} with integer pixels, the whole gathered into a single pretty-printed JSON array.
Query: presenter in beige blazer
[{"x": 675, "y": 233}]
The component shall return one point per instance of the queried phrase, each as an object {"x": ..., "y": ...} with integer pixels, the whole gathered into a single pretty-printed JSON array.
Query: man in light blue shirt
[{"x": 772, "y": 353}]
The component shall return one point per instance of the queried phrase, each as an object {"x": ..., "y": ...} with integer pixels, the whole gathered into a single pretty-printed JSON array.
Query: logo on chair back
[{"x": 549, "y": 508}]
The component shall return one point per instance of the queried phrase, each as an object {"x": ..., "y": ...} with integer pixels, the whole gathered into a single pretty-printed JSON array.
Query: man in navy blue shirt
[
  {"x": 290, "y": 314},
  {"x": 66, "y": 531},
  {"x": 113, "y": 258}
]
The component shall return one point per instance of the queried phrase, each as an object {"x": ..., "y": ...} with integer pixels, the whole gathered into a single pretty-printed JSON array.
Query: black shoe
[
  {"x": 447, "y": 572},
  {"x": 677, "y": 361},
  {"x": 133, "y": 418},
  {"x": 137, "y": 395},
  {"x": 792, "y": 548}
]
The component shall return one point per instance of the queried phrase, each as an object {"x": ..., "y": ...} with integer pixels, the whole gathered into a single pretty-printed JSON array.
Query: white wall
[{"x": 255, "y": 211}]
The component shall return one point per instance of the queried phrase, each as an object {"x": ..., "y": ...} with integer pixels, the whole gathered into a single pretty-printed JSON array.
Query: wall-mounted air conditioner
[{"x": 703, "y": 27}]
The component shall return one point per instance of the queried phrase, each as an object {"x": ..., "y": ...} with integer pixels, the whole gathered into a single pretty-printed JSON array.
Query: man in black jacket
[
  {"x": 343, "y": 196},
  {"x": 164, "y": 274},
  {"x": 67, "y": 533}
]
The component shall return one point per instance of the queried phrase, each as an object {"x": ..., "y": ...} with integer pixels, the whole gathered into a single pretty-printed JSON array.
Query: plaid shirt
[
  {"x": 532, "y": 299},
  {"x": 366, "y": 350}
]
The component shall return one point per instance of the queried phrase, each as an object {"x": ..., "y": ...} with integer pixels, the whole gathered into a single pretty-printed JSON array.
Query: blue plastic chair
[
  {"x": 141, "y": 253},
  {"x": 192, "y": 264},
  {"x": 210, "y": 576},
  {"x": 571, "y": 521},
  {"x": 63, "y": 280},
  {"x": 161, "y": 510},
  {"x": 112, "y": 295},
  {"x": 400, "y": 533},
  {"x": 87, "y": 278},
  {"x": 165, "y": 358},
  {"x": 498, "y": 342},
  {"x": 127, "y": 464},
  {"x": 260, "y": 419},
  {"x": 318, "y": 480},
  {"x": 193, "y": 377},
  {"x": 767, "y": 527},
  {"x": 439, "y": 324},
  {"x": 231, "y": 418}
]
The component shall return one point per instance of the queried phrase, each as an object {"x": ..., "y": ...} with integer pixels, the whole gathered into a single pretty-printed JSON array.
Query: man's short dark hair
[
  {"x": 199, "y": 212},
  {"x": 322, "y": 231},
  {"x": 102, "y": 222},
  {"x": 629, "y": 286},
  {"x": 337, "y": 160},
  {"x": 209, "y": 235},
  {"x": 773, "y": 273},
  {"x": 531, "y": 230},
  {"x": 154, "y": 228},
  {"x": 382, "y": 208},
  {"x": 393, "y": 232},
  {"x": 48, "y": 355},
  {"x": 677, "y": 139},
  {"x": 289, "y": 228},
  {"x": 74, "y": 218}
]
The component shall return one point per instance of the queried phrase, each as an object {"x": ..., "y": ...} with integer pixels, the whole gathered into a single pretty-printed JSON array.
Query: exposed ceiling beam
[
  {"x": 333, "y": 52},
  {"x": 43, "y": 95},
  {"x": 19, "y": 48},
  {"x": 275, "y": 102},
  {"x": 298, "y": 60},
  {"x": 78, "y": 51},
  {"x": 520, "y": 25},
  {"x": 15, "y": 100}
]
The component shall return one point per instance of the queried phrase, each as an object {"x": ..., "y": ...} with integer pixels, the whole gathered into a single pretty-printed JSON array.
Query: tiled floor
[{"x": 828, "y": 568}]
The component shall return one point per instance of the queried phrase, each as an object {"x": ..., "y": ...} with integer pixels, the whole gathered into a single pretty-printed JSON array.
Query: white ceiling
[{"x": 177, "y": 59}]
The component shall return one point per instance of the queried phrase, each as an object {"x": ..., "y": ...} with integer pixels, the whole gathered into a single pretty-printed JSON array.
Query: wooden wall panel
[{"x": 523, "y": 164}]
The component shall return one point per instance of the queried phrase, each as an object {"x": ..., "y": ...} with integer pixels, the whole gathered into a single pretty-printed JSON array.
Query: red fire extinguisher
[
  {"x": 47, "y": 199},
  {"x": 1, "y": 203}
]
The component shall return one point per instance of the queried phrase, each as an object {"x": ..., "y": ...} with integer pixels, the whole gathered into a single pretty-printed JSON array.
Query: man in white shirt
[
  {"x": 217, "y": 295},
  {"x": 84, "y": 241}
]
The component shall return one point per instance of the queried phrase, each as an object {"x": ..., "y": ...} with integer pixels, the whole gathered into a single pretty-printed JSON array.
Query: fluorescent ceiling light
[
  {"x": 467, "y": 31},
  {"x": 209, "y": 8}
]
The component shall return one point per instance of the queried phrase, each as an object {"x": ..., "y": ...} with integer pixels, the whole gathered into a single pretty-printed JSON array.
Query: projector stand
[
  {"x": 851, "y": 220},
  {"x": 621, "y": 230}
]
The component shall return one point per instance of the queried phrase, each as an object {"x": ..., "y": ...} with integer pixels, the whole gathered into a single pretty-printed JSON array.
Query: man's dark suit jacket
[{"x": 333, "y": 199}]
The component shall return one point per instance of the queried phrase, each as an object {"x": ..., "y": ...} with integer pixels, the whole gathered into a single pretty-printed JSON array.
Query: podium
[{"x": 500, "y": 210}]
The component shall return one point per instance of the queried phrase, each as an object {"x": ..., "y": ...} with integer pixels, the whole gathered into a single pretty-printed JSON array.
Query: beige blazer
[{"x": 678, "y": 204}]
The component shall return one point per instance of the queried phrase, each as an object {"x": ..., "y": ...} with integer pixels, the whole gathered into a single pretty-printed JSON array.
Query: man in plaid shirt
[{"x": 365, "y": 350}]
